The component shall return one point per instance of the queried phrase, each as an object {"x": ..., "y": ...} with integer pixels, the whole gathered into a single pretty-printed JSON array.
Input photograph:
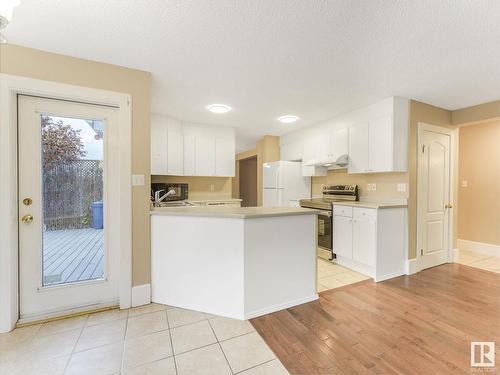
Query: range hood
[{"x": 338, "y": 163}]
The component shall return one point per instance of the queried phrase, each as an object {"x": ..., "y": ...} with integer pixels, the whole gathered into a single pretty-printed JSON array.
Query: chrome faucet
[{"x": 158, "y": 199}]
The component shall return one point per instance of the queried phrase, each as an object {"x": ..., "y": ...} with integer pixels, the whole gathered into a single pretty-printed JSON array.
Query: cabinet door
[
  {"x": 342, "y": 236},
  {"x": 338, "y": 144},
  {"x": 189, "y": 153},
  {"x": 204, "y": 156},
  {"x": 358, "y": 148},
  {"x": 322, "y": 147},
  {"x": 224, "y": 157},
  {"x": 308, "y": 150},
  {"x": 175, "y": 153},
  {"x": 364, "y": 240},
  {"x": 380, "y": 145},
  {"x": 159, "y": 151},
  {"x": 291, "y": 151}
]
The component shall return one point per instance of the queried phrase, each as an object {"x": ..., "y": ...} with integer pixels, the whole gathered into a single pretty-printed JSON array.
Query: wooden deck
[
  {"x": 72, "y": 255},
  {"x": 418, "y": 324}
]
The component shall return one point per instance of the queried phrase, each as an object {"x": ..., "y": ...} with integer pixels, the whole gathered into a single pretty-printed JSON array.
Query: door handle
[
  {"x": 26, "y": 219},
  {"x": 448, "y": 206}
]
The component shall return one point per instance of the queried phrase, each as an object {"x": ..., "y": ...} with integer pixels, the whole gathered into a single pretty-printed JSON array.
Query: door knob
[
  {"x": 448, "y": 206},
  {"x": 26, "y": 219}
]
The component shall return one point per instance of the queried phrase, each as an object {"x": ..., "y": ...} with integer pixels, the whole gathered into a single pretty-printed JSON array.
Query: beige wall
[
  {"x": 47, "y": 66},
  {"x": 481, "y": 112},
  {"x": 266, "y": 150},
  {"x": 479, "y": 165},
  {"x": 200, "y": 188}
]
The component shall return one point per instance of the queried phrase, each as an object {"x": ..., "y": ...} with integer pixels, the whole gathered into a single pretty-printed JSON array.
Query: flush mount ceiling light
[
  {"x": 218, "y": 108},
  {"x": 6, "y": 9},
  {"x": 288, "y": 119}
]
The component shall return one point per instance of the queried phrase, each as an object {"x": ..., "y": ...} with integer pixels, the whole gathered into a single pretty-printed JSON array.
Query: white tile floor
[
  {"x": 331, "y": 275},
  {"x": 152, "y": 339},
  {"x": 474, "y": 259}
]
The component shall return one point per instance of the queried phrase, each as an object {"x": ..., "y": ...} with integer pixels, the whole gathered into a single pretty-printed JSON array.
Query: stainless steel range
[{"x": 330, "y": 194}]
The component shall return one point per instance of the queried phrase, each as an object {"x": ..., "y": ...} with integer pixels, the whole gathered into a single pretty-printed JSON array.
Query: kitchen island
[{"x": 238, "y": 262}]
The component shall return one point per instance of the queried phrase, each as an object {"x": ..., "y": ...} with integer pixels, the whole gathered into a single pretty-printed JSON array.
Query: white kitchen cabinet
[
  {"x": 224, "y": 157},
  {"x": 339, "y": 143},
  {"x": 342, "y": 233},
  {"x": 189, "y": 151},
  {"x": 379, "y": 143},
  {"x": 371, "y": 241},
  {"x": 158, "y": 150},
  {"x": 181, "y": 149},
  {"x": 204, "y": 164},
  {"x": 291, "y": 151},
  {"x": 175, "y": 154},
  {"x": 166, "y": 147},
  {"x": 358, "y": 148},
  {"x": 364, "y": 239}
]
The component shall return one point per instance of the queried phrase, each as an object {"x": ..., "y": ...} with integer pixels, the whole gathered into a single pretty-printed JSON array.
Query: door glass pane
[{"x": 72, "y": 191}]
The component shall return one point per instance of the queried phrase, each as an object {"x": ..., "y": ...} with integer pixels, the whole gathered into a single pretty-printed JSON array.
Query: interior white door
[
  {"x": 68, "y": 229},
  {"x": 433, "y": 197}
]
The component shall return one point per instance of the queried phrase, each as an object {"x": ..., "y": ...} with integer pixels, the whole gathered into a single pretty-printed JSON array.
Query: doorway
[
  {"x": 67, "y": 173},
  {"x": 248, "y": 181},
  {"x": 434, "y": 195}
]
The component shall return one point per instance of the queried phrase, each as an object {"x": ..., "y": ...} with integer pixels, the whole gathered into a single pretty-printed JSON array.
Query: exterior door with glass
[{"x": 68, "y": 260}]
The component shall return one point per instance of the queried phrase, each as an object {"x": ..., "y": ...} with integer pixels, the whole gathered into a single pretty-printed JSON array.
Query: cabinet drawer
[
  {"x": 364, "y": 213},
  {"x": 342, "y": 210}
]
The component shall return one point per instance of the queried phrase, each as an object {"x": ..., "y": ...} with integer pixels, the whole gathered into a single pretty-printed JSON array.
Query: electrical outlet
[
  {"x": 137, "y": 180},
  {"x": 368, "y": 187},
  {"x": 212, "y": 187},
  {"x": 465, "y": 183},
  {"x": 402, "y": 187}
]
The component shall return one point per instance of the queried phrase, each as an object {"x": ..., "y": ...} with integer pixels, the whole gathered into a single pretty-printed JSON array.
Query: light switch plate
[
  {"x": 402, "y": 187},
  {"x": 465, "y": 183},
  {"x": 137, "y": 180},
  {"x": 212, "y": 187}
]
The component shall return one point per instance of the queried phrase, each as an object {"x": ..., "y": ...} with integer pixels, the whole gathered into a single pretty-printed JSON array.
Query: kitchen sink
[{"x": 173, "y": 204}]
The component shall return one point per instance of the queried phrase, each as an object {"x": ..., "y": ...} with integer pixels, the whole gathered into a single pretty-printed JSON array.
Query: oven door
[{"x": 325, "y": 230}]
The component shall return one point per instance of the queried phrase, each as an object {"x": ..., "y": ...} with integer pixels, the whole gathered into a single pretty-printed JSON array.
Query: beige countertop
[
  {"x": 232, "y": 212},
  {"x": 376, "y": 205}
]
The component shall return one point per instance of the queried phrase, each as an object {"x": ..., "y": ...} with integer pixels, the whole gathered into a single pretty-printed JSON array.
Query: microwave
[{"x": 181, "y": 191}]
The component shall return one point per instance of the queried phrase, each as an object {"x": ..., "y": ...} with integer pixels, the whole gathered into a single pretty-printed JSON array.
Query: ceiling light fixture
[
  {"x": 218, "y": 108},
  {"x": 288, "y": 119},
  {"x": 6, "y": 10}
]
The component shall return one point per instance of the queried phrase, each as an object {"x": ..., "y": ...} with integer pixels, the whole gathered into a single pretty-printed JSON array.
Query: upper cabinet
[
  {"x": 358, "y": 148},
  {"x": 191, "y": 150},
  {"x": 380, "y": 143},
  {"x": 224, "y": 157},
  {"x": 374, "y": 139}
]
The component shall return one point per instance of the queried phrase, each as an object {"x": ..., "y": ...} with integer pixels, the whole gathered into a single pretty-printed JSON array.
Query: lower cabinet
[
  {"x": 342, "y": 236},
  {"x": 370, "y": 241}
]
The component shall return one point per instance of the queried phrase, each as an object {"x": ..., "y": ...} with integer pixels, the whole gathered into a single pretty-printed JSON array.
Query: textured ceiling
[{"x": 264, "y": 58}]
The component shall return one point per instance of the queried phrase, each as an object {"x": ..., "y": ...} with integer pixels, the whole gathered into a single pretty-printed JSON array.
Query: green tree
[{"x": 61, "y": 143}]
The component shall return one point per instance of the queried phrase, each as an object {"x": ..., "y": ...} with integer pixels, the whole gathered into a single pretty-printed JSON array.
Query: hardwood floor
[{"x": 418, "y": 324}]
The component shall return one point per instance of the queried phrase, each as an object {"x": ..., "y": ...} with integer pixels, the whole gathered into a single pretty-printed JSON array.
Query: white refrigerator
[{"x": 283, "y": 183}]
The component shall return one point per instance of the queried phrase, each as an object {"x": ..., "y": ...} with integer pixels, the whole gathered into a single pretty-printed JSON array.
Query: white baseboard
[
  {"x": 141, "y": 295},
  {"x": 479, "y": 247},
  {"x": 411, "y": 266},
  {"x": 282, "y": 306}
]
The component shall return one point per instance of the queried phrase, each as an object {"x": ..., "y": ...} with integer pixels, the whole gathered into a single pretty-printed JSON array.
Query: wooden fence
[{"x": 69, "y": 189}]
